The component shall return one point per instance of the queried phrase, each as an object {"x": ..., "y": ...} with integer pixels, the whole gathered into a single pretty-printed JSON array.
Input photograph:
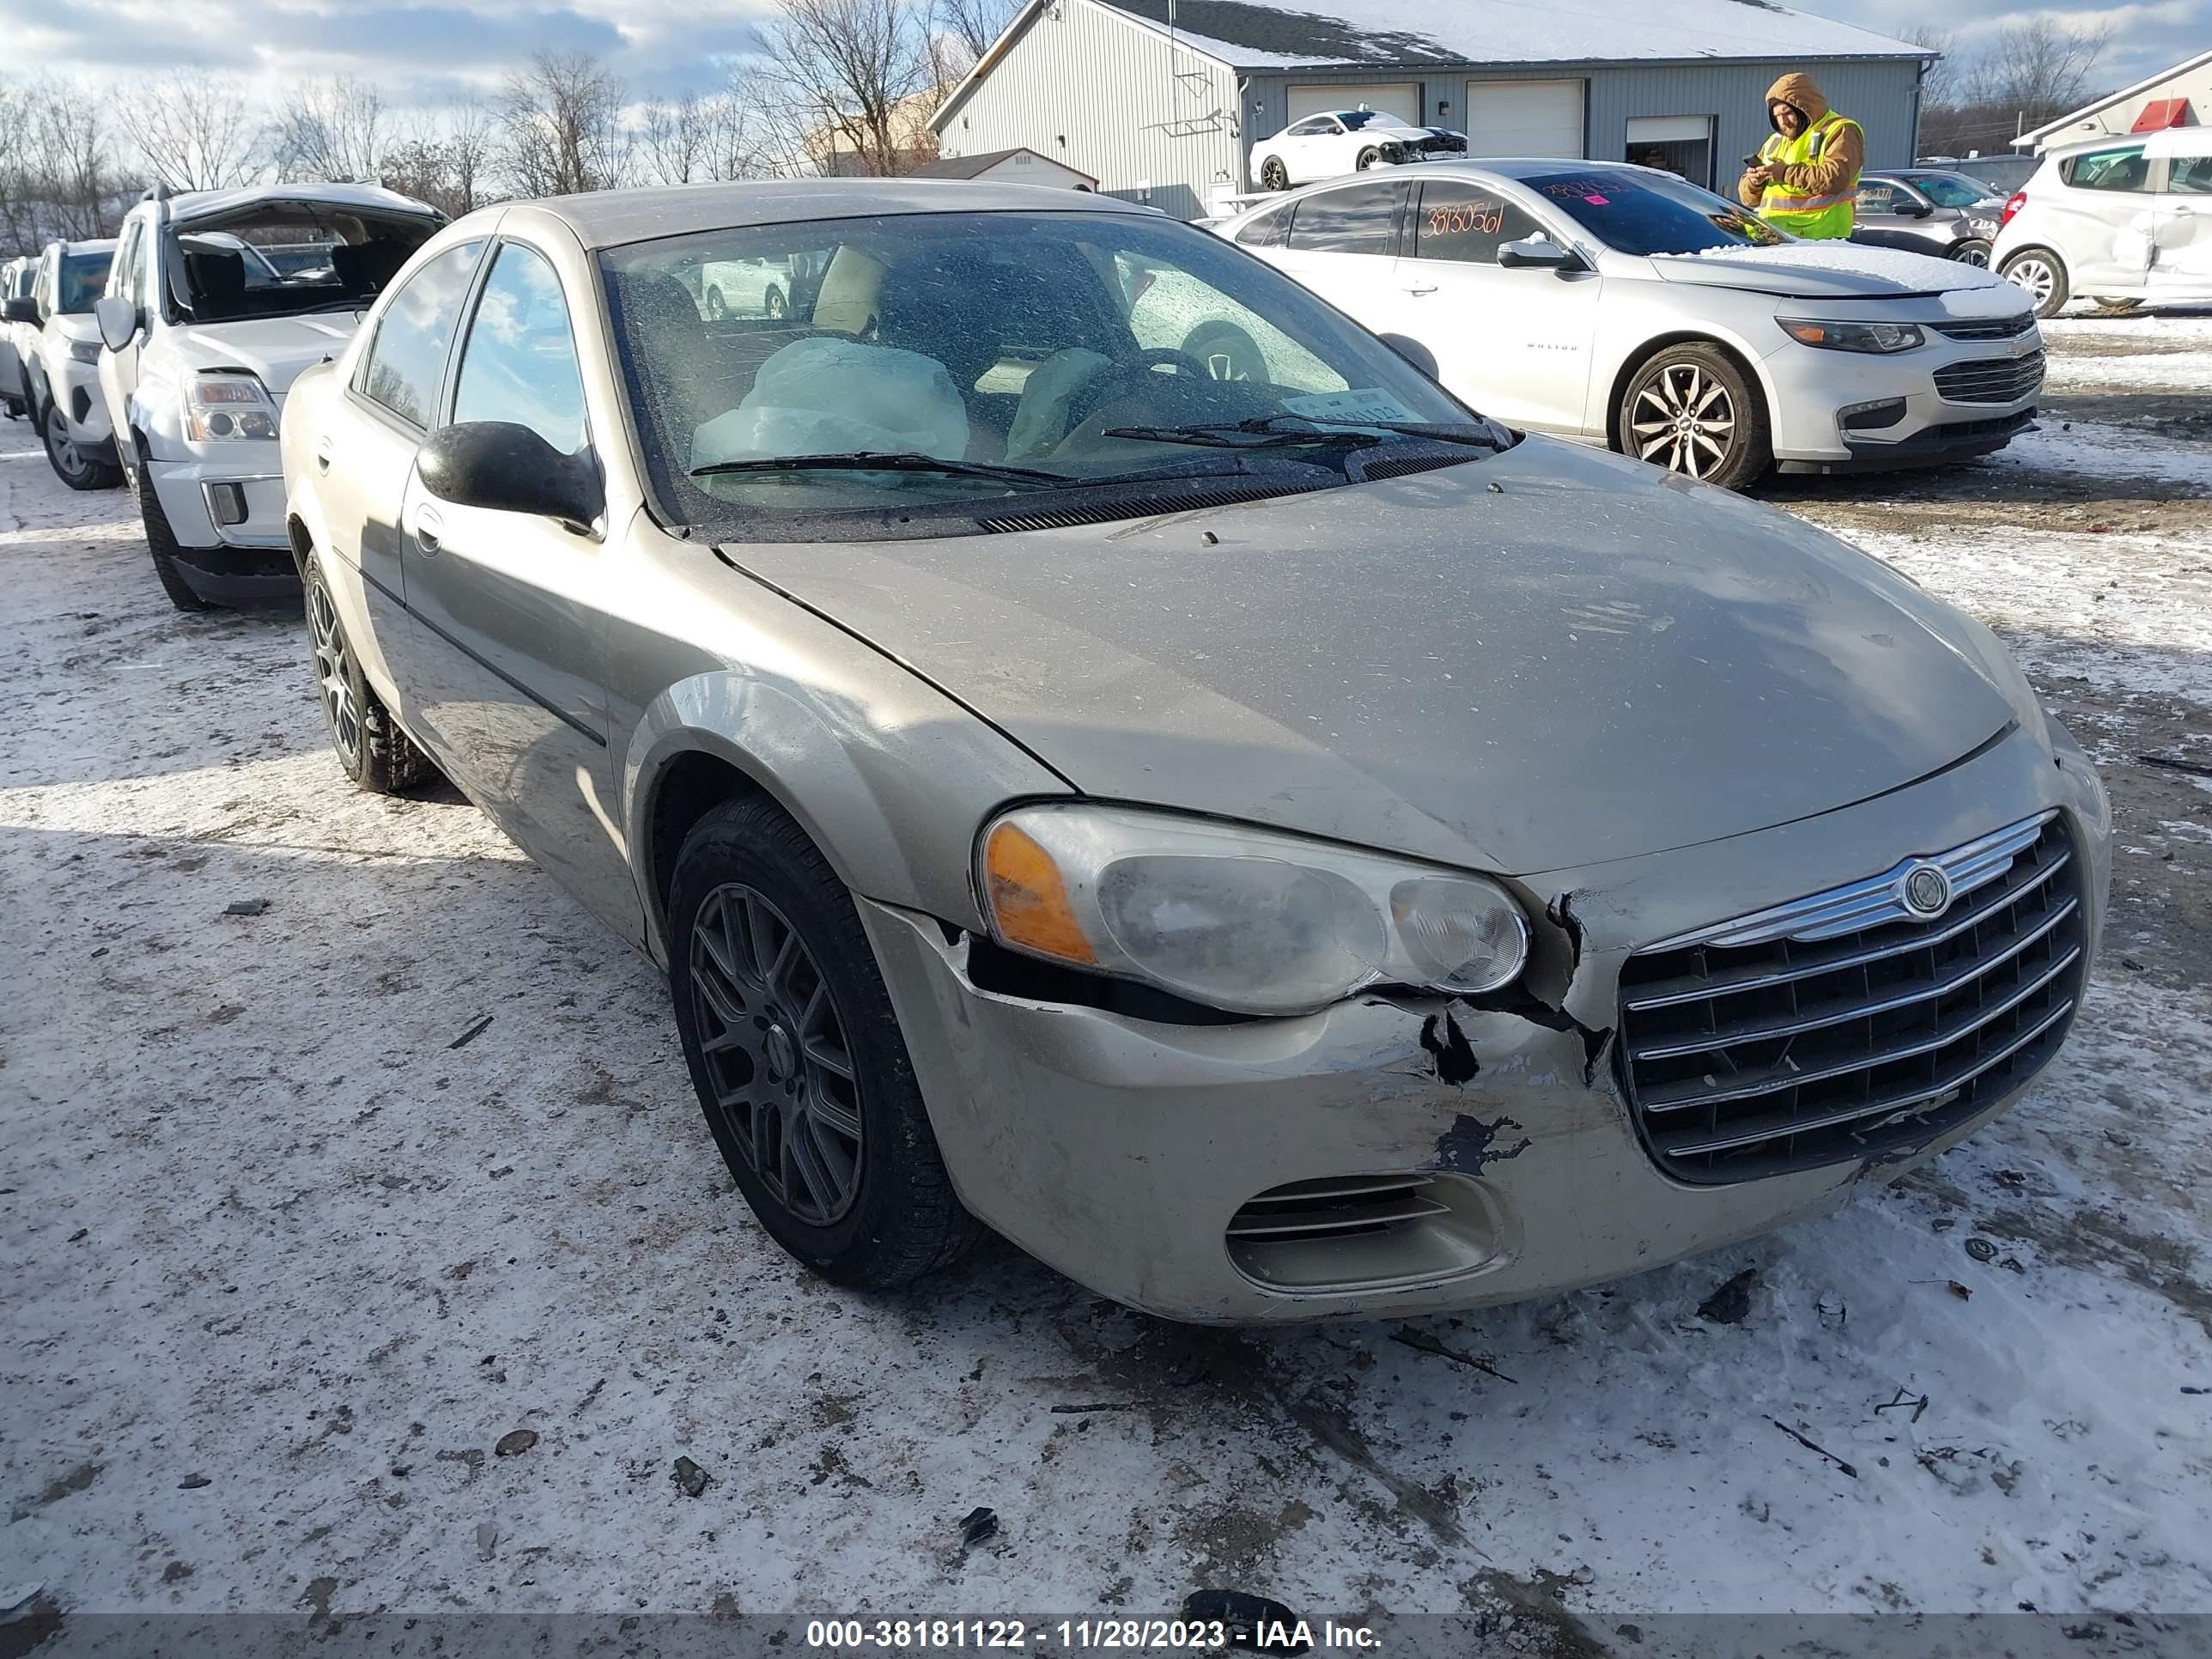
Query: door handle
[
  {"x": 427, "y": 526},
  {"x": 322, "y": 453},
  {"x": 1430, "y": 288},
  {"x": 2185, "y": 211}
]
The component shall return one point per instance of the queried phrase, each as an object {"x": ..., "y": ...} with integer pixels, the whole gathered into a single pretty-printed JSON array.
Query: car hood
[
  {"x": 275, "y": 348},
  {"x": 1548, "y": 658},
  {"x": 1828, "y": 270}
]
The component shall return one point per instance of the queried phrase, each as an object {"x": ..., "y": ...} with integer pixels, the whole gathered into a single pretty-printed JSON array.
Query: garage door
[
  {"x": 1403, "y": 99},
  {"x": 1524, "y": 117}
]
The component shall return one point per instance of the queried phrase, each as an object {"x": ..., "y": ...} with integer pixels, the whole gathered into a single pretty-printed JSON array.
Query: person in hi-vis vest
[{"x": 1806, "y": 179}]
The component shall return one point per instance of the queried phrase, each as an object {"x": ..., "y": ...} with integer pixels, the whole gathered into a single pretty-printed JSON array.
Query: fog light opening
[
  {"x": 1871, "y": 417},
  {"x": 227, "y": 504}
]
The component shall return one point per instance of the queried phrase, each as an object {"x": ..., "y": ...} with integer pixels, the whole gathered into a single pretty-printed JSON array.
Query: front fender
[{"x": 891, "y": 779}]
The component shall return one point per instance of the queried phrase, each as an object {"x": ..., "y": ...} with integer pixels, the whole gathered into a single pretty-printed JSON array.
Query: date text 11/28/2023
[{"x": 1287, "y": 1634}]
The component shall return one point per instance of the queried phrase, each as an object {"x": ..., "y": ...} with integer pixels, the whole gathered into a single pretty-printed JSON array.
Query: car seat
[{"x": 218, "y": 276}]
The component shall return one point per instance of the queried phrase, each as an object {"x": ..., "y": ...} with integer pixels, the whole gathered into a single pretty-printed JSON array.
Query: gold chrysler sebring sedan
[{"x": 1263, "y": 837}]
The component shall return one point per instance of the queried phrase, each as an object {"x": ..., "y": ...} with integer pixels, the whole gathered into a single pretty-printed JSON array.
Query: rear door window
[
  {"x": 1270, "y": 229},
  {"x": 1357, "y": 219},
  {"x": 2121, "y": 170},
  {"x": 404, "y": 367},
  {"x": 1466, "y": 225}
]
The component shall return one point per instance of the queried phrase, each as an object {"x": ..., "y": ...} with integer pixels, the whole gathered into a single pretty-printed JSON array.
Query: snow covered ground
[{"x": 326, "y": 1297}]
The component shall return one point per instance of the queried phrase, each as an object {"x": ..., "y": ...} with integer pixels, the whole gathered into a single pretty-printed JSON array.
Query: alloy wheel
[
  {"x": 1275, "y": 175},
  {"x": 1976, "y": 256},
  {"x": 1684, "y": 420},
  {"x": 333, "y": 675},
  {"x": 70, "y": 460},
  {"x": 2035, "y": 275},
  {"x": 780, "y": 1071}
]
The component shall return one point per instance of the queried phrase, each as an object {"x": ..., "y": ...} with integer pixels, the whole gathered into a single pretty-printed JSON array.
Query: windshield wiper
[
  {"x": 1273, "y": 431},
  {"x": 869, "y": 460}
]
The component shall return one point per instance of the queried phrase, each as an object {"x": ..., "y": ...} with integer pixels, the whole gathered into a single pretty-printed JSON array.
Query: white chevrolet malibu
[{"x": 1618, "y": 305}]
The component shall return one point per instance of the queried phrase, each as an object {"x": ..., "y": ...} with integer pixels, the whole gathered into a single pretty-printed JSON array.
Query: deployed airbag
[{"x": 832, "y": 397}]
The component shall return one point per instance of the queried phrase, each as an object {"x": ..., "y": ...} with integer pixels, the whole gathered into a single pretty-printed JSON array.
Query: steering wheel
[{"x": 1117, "y": 376}]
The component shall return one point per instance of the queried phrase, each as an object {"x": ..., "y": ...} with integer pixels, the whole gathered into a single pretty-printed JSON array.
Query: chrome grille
[
  {"x": 1338, "y": 1206},
  {"x": 1846, "y": 1024},
  {"x": 1990, "y": 380},
  {"x": 1988, "y": 328}
]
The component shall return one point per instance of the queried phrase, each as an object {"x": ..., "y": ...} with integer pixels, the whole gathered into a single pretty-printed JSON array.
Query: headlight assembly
[
  {"x": 1877, "y": 337},
  {"x": 219, "y": 406},
  {"x": 1238, "y": 918}
]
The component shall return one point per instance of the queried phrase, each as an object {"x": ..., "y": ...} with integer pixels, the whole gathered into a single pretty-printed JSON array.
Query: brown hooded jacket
[{"x": 1837, "y": 169}]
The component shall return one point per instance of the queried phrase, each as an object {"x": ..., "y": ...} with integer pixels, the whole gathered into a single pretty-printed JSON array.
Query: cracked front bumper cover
[{"x": 1121, "y": 1150}]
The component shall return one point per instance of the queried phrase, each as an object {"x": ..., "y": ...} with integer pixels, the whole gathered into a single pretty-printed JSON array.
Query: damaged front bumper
[{"x": 1395, "y": 1155}]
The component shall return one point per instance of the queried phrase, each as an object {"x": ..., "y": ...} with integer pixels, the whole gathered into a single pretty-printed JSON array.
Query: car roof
[
  {"x": 193, "y": 205},
  {"x": 611, "y": 218}
]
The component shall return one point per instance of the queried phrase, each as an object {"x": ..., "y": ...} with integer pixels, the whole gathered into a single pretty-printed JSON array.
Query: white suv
[
  {"x": 16, "y": 279},
  {"x": 2126, "y": 222},
  {"x": 217, "y": 301},
  {"x": 59, "y": 356}
]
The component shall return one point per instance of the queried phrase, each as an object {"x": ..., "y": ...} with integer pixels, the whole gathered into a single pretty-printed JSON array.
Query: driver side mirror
[
  {"x": 507, "y": 468},
  {"x": 118, "y": 319},
  {"x": 1537, "y": 253},
  {"x": 1919, "y": 210},
  {"x": 22, "y": 308}
]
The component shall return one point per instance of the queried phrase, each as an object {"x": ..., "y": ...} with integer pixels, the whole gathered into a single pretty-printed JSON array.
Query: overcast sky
[{"x": 420, "y": 51}]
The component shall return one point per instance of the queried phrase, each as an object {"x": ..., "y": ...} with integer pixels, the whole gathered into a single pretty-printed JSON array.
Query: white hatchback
[{"x": 2126, "y": 222}]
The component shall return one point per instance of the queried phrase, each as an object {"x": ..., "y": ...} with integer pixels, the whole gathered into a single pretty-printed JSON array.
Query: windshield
[
  {"x": 278, "y": 259},
  {"x": 1652, "y": 214},
  {"x": 985, "y": 356},
  {"x": 83, "y": 279},
  {"x": 1950, "y": 190},
  {"x": 1357, "y": 119}
]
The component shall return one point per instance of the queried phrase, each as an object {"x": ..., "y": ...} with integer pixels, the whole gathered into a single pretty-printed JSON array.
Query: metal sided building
[{"x": 1161, "y": 100}]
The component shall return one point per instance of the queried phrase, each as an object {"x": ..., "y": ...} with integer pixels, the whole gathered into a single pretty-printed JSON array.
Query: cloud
[
  {"x": 2146, "y": 38},
  {"x": 417, "y": 54}
]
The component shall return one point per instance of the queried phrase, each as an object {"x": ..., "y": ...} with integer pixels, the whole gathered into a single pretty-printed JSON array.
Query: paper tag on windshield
[{"x": 1359, "y": 404}]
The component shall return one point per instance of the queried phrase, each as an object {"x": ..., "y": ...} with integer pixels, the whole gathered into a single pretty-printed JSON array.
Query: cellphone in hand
[{"x": 1753, "y": 162}]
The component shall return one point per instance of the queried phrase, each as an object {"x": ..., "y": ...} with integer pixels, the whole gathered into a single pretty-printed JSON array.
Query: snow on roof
[{"x": 1246, "y": 35}]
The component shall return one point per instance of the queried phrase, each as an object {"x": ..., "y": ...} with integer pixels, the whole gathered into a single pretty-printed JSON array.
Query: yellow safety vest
[{"x": 1829, "y": 215}]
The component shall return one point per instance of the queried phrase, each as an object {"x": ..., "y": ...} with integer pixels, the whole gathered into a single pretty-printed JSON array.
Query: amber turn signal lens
[{"x": 1029, "y": 900}]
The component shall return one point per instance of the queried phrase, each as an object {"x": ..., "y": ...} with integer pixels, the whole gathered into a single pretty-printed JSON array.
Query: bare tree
[
  {"x": 445, "y": 157},
  {"x": 967, "y": 28},
  {"x": 330, "y": 129},
  {"x": 2039, "y": 69},
  {"x": 855, "y": 74},
  {"x": 1939, "y": 85},
  {"x": 75, "y": 176},
  {"x": 676, "y": 140},
  {"x": 195, "y": 131},
  {"x": 562, "y": 121}
]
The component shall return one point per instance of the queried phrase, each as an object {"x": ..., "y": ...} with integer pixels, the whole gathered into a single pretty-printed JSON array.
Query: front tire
[
  {"x": 371, "y": 748},
  {"x": 796, "y": 1055},
  {"x": 2041, "y": 275},
  {"x": 775, "y": 305},
  {"x": 161, "y": 543},
  {"x": 1273, "y": 175},
  {"x": 1692, "y": 409},
  {"x": 1366, "y": 159},
  {"x": 716, "y": 309},
  {"x": 78, "y": 467}
]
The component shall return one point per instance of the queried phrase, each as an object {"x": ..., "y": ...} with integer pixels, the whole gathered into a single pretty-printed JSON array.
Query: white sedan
[
  {"x": 1618, "y": 305},
  {"x": 1343, "y": 141}
]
